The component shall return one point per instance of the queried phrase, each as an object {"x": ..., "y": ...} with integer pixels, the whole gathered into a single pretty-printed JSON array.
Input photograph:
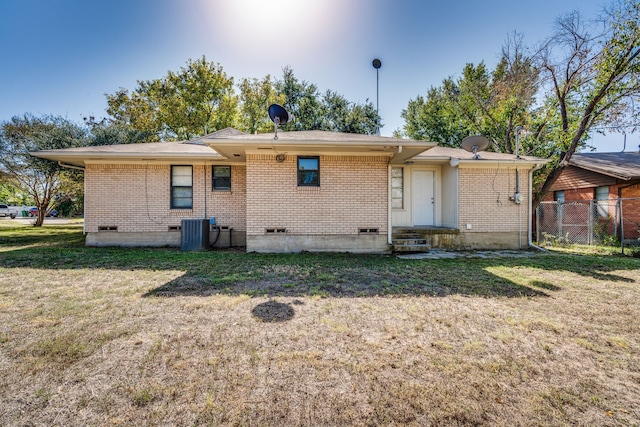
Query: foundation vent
[
  {"x": 367, "y": 231},
  {"x": 108, "y": 228},
  {"x": 275, "y": 230}
]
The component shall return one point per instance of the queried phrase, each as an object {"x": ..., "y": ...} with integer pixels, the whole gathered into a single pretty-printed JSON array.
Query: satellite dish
[
  {"x": 377, "y": 63},
  {"x": 279, "y": 116},
  {"x": 474, "y": 144}
]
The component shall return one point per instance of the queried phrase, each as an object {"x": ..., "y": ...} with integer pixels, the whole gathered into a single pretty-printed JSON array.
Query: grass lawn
[{"x": 106, "y": 336}]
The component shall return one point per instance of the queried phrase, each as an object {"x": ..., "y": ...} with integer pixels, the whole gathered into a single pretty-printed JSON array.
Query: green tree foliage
[
  {"x": 197, "y": 100},
  {"x": 592, "y": 80},
  {"x": 201, "y": 99},
  {"x": 339, "y": 115},
  {"x": 12, "y": 195},
  {"x": 41, "y": 179},
  {"x": 110, "y": 132},
  {"x": 492, "y": 103},
  {"x": 255, "y": 97},
  {"x": 577, "y": 83},
  {"x": 329, "y": 111},
  {"x": 301, "y": 100}
]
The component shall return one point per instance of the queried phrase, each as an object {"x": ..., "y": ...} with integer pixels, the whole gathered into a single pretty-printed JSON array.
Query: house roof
[
  {"x": 447, "y": 154},
  {"x": 127, "y": 152},
  {"x": 235, "y": 145},
  {"x": 624, "y": 166},
  {"x": 231, "y": 145}
]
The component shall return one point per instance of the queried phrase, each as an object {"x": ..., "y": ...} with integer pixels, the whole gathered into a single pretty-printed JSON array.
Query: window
[
  {"x": 601, "y": 195},
  {"x": 221, "y": 178},
  {"x": 558, "y": 196},
  {"x": 397, "y": 188},
  {"x": 309, "y": 171},
  {"x": 181, "y": 187}
]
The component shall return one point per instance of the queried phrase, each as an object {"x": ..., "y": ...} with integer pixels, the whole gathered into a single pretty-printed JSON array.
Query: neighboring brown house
[
  {"x": 596, "y": 176},
  {"x": 305, "y": 191},
  {"x": 603, "y": 177}
]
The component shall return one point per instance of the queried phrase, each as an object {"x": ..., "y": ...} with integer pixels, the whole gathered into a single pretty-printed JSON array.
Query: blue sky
[{"x": 61, "y": 56}]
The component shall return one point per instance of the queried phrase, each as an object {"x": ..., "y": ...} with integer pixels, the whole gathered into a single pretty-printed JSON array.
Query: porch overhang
[{"x": 236, "y": 149}]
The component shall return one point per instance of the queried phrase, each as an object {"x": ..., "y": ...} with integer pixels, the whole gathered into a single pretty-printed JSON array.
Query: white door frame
[{"x": 403, "y": 217}]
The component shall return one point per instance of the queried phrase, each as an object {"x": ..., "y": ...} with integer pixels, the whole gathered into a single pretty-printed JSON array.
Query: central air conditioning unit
[{"x": 195, "y": 234}]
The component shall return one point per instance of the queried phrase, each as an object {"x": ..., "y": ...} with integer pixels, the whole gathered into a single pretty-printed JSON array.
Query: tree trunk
[{"x": 40, "y": 218}]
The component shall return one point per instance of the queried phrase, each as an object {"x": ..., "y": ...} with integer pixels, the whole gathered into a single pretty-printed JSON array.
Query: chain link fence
[{"x": 589, "y": 222}]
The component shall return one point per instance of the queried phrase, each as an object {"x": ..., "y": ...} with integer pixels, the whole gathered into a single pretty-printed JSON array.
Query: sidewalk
[{"x": 441, "y": 254}]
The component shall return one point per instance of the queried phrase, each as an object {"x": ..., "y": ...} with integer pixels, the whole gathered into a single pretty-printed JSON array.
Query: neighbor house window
[
  {"x": 602, "y": 201},
  {"x": 309, "y": 171},
  {"x": 181, "y": 187},
  {"x": 558, "y": 196},
  {"x": 221, "y": 178},
  {"x": 397, "y": 188}
]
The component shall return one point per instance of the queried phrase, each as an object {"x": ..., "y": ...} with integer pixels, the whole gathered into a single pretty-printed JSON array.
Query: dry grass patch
[{"x": 156, "y": 337}]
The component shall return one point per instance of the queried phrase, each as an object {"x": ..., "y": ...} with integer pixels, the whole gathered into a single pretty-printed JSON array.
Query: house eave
[
  {"x": 477, "y": 163},
  {"x": 604, "y": 172},
  {"x": 82, "y": 159},
  {"x": 398, "y": 152}
]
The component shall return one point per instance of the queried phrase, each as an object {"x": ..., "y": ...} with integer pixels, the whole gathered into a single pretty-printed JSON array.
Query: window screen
[
  {"x": 181, "y": 187},
  {"x": 222, "y": 178},
  {"x": 309, "y": 171}
]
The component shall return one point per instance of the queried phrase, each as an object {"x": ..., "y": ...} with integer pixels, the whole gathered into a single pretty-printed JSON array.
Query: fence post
[
  {"x": 559, "y": 216},
  {"x": 538, "y": 223},
  {"x": 621, "y": 227},
  {"x": 590, "y": 228}
]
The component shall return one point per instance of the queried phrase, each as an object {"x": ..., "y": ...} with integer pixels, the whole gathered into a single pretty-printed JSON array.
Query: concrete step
[
  {"x": 407, "y": 236},
  {"x": 410, "y": 244},
  {"x": 411, "y": 248},
  {"x": 410, "y": 241}
]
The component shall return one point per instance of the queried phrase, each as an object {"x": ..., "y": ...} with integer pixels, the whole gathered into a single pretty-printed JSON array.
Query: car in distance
[
  {"x": 33, "y": 211},
  {"x": 5, "y": 210}
]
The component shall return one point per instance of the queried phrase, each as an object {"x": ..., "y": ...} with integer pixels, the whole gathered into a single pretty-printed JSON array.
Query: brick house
[
  {"x": 603, "y": 178},
  {"x": 305, "y": 191}
]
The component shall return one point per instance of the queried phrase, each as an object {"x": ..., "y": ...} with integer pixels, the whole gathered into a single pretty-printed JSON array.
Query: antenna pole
[
  {"x": 518, "y": 130},
  {"x": 377, "y": 64},
  {"x": 377, "y": 102},
  {"x": 276, "y": 122}
]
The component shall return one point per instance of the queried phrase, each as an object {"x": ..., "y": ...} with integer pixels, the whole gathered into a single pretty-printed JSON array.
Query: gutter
[{"x": 67, "y": 165}]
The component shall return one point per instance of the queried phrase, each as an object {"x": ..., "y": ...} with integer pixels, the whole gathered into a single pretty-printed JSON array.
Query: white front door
[{"x": 423, "y": 201}]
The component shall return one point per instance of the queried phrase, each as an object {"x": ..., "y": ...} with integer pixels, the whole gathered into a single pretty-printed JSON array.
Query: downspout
[
  {"x": 84, "y": 188},
  {"x": 389, "y": 211},
  {"x": 517, "y": 193},
  {"x": 530, "y": 221},
  {"x": 519, "y": 211},
  {"x": 204, "y": 179}
]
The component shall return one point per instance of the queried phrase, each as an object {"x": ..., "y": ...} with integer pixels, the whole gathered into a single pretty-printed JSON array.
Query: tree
[
  {"x": 339, "y": 115},
  {"x": 197, "y": 100},
  {"x": 585, "y": 82},
  {"x": 592, "y": 79},
  {"x": 492, "y": 103},
  {"x": 41, "y": 179},
  {"x": 12, "y": 195},
  {"x": 330, "y": 111},
  {"x": 301, "y": 100},
  {"x": 110, "y": 132},
  {"x": 255, "y": 98}
]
